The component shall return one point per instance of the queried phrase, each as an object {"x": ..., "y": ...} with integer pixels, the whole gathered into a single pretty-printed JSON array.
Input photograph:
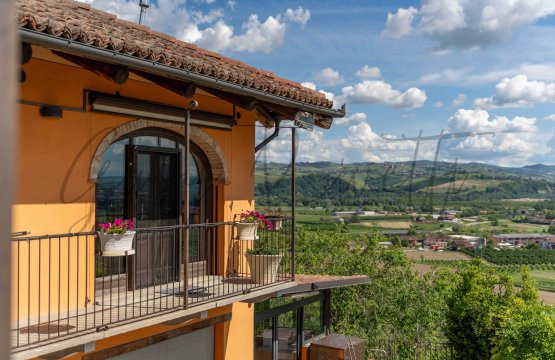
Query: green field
[{"x": 544, "y": 278}]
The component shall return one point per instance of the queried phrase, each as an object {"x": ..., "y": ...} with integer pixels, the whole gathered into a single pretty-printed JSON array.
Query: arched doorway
[{"x": 142, "y": 176}]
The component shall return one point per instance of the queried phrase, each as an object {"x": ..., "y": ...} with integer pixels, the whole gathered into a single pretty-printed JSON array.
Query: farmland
[{"x": 514, "y": 257}]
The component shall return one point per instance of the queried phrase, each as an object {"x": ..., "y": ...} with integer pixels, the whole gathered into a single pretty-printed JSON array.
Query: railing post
[
  {"x": 293, "y": 199},
  {"x": 186, "y": 212}
]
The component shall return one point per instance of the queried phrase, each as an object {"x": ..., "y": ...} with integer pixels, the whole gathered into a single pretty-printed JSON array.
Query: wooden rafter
[
  {"x": 247, "y": 103},
  {"x": 182, "y": 88},
  {"x": 116, "y": 73}
]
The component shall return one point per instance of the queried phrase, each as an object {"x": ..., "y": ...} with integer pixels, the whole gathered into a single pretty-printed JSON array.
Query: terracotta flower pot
[
  {"x": 246, "y": 231},
  {"x": 263, "y": 267},
  {"x": 116, "y": 244},
  {"x": 277, "y": 224}
]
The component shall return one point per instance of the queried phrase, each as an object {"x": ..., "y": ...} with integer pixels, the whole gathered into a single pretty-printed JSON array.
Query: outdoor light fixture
[
  {"x": 49, "y": 111},
  {"x": 144, "y": 109},
  {"x": 304, "y": 120}
]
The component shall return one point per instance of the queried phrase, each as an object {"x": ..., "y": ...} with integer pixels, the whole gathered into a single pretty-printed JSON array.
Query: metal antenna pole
[{"x": 144, "y": 4}]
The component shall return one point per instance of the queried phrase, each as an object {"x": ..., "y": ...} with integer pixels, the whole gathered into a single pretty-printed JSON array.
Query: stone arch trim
[{"x": 208, "y": 145}]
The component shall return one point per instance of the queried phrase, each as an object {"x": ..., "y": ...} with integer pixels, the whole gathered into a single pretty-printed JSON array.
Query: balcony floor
[{"x": 115, "y": 307}]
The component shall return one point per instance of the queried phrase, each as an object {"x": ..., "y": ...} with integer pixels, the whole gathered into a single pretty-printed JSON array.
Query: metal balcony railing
[{"x": 64, "y": 287}]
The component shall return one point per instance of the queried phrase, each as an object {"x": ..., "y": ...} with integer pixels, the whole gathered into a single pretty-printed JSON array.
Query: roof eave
[{"x": 110, "y": 56}]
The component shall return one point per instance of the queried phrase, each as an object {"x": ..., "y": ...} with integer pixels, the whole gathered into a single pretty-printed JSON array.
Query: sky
[{"x": 484, "y": 67}]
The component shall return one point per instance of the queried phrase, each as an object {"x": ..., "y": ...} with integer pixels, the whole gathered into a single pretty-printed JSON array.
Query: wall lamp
[
  {"x": 49, "y": 111},
  {"x": 144, "y": 109},
  {"x": 304, "y": 120}
]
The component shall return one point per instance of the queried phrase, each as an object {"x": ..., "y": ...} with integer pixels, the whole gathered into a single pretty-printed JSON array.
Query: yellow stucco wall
[
  {"x": 54, "y": 194},
  {"x": 237, "y": 336}
]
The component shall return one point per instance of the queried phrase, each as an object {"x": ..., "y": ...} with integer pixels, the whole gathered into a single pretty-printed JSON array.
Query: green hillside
[{"x": 371, "y": 184}]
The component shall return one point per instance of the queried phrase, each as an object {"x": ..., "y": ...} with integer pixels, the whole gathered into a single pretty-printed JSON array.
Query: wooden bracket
[
  {"x": 247, "y": 103},
  {"x": 116, "y": 73},
  {"x": 185, "y": 89}
]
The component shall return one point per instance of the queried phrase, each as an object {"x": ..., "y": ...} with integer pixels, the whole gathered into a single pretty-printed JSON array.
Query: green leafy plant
[
  {"x": 264, "y": 245},
  {"x": 274, "y": 213}
]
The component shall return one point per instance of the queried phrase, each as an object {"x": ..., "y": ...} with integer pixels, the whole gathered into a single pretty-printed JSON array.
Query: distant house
[
  {"x": 522, "y": 239},
  {"x": 461, "y": 244},
  {"x": 436, "y": 240},
  {"x": 446, "y": 218}
]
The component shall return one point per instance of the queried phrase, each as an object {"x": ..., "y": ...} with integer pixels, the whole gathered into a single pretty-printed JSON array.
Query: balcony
[{"x": 64, "y": 288}]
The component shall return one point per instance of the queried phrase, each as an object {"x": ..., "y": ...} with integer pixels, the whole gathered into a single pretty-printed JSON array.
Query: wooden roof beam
[
  {"x": 182, "y": 88},
  {"x": 247, "y": 103},
  {"x": 115, "y": 73}
]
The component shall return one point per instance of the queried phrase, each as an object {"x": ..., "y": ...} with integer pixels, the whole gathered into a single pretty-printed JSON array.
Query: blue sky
[{"x": 401, "y": 67}]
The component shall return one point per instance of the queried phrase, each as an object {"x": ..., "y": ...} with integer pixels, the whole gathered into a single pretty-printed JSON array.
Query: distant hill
[{"x": 361, "y": 184}]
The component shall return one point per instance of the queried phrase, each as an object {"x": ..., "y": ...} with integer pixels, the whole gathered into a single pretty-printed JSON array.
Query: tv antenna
[{"x": 144, "y": 4}]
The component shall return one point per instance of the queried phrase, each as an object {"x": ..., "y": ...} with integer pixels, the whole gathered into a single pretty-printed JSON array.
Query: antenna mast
[{"x": 144, "y": 4}]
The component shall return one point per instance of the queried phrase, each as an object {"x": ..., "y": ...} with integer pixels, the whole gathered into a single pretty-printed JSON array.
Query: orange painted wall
[
  {"x": 236, "y": 338},
  {"x": 54, "y": 195}
]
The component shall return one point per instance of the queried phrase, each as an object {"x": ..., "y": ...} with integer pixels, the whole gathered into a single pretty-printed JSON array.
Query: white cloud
[
  {"x": 328, "y": 77},
  {"x": 400, "y": 23},
  {"x": 368, "y": 73},
  {"x": 550, "y": 117},
  {"x": 257, "y": 36},
  {"x": 438, "y": 104},
  {"x": 312, "y": 146},
  {"x": 459, "y": 100},
  {"x": 207, "y": 28},
  {"x": 474, "y": 76},
  {"x": 232, "y": 4},
  {"x": 363, "y": 144},
  {"x": 300, "y": 15},
  {"x": 468, "y": 24},
  {"x": 329, "y": 95},
  {"x": 350, "y": 120},
  {"x": 516, "y": 140},
  {"x": 517, "y": 92},
  {"x": 380, "y": 92},
  {"x": 309, "y": 84}
]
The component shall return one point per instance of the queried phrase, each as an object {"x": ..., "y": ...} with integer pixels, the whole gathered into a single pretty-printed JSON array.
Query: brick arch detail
[{"x": 204, "y": 141}]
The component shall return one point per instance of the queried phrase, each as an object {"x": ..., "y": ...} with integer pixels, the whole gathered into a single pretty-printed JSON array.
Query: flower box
[
  {"x": 117, "y": 244},
  {"x": 246, "y": 231},
  {"x": 116, "y": 239}
]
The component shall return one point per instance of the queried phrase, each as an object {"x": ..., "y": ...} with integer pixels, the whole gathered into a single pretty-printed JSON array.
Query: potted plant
[
  {"x": 264, "y": 259},
  {"x": 116, "y": 238},
  {"x": 248, "y": 224},
  {"x": 275, "y": 217}
]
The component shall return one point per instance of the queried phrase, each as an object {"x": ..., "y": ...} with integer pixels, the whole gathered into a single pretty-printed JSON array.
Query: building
[
  {"x": 117, "y": 120},
  {"x": 457, "y": 245},
  {"x": 522, "y": 239}
]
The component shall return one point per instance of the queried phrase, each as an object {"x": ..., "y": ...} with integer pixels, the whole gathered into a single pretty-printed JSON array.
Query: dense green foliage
[
  {"x": 514, "y": 256},
  {"x": 396, "y": 300},
  {"x": 474, "y": 307}
]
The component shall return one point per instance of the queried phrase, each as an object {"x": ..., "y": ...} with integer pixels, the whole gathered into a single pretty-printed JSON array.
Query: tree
[
  {"x": 475, "y": 307},
  {"x": 527, "y": 332},
  {"x": 395, "y": 300},
  {"x": 551, "y": 229}
]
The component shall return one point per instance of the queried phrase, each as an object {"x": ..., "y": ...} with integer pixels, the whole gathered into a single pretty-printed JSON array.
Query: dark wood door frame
[{"x": 133, "y": 280}]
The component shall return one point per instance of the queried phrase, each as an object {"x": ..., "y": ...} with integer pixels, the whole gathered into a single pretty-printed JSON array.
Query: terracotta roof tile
[{"x": 79, "y": 22}]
